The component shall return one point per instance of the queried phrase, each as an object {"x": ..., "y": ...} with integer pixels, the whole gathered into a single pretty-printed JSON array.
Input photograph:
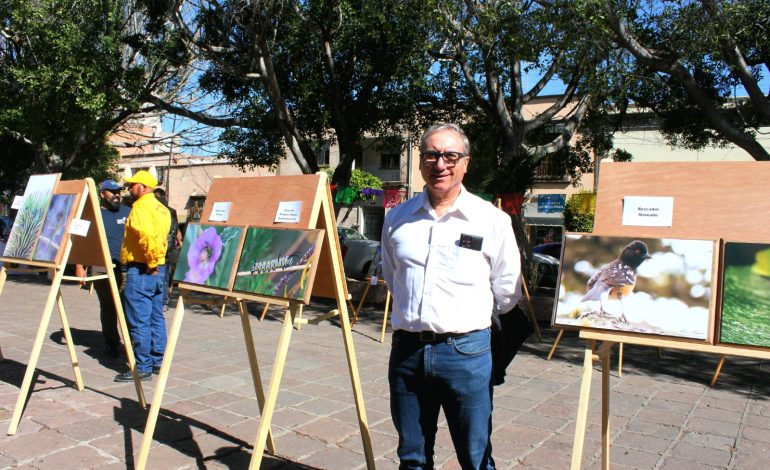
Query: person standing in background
[
  {"x": 114, "y": 216},
  {"x": 144, "y": 255},
  {"x": 174, "y": 245}
]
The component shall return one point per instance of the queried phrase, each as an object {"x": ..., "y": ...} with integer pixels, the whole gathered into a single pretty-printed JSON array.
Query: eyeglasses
[{"x": 450, "y": 158}]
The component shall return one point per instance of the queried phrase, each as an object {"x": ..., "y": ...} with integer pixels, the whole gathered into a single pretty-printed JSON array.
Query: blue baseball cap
[{"x": 109, "y": 185}]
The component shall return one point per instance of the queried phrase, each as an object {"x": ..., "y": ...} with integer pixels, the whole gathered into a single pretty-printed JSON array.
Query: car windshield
[{"x": 350, "y": 234}]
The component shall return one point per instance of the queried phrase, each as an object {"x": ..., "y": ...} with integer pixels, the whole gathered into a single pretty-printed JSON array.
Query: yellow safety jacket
[{"x": 146, "y": 234}]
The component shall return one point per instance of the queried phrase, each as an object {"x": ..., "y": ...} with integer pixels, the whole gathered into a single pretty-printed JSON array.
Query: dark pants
[
  {"x": 107, "y": 312},
  {"x": 453, "y": 374}
]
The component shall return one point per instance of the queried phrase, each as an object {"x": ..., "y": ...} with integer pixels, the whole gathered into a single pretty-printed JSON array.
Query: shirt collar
[{"x": 461, "y": 205}]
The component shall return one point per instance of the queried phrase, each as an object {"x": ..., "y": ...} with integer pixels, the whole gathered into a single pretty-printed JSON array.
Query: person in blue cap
[{"x": 114, "y": 216}]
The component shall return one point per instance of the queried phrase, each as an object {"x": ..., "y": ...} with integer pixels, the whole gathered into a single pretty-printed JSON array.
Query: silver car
[{"x": 358, "y": 252}]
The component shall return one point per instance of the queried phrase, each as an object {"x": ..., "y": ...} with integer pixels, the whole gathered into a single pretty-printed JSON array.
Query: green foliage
[
  {"x": 715, "y": 48},
  {"x": 70, "y": 73},
  {"x": 371, "y": 83},
  {"x": 359, "y": 180},
  {"x": 579, "y": 212},
  {"x": 493, "y": 55}
]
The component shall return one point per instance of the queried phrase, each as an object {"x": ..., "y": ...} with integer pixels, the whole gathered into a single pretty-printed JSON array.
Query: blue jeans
[
  {"x": 144, "y": 315},
  {"x": 454, "y": 374}
]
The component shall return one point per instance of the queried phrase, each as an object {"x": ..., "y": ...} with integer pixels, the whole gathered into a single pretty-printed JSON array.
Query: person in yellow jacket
[{"x": 144, "y": 255}]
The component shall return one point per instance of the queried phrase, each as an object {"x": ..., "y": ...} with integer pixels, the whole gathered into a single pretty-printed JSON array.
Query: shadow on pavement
[
  {"x": 176, "y": 431},
  {"x": 93, "y": 342}
]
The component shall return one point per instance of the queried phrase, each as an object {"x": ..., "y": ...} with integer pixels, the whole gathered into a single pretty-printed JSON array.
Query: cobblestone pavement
[{"x": 664, "y": 415}]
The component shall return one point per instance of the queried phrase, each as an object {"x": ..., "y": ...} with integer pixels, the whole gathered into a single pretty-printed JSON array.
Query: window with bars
[
  {"x": 390, "y": 161},
  {"x": 550, "y": 170}
]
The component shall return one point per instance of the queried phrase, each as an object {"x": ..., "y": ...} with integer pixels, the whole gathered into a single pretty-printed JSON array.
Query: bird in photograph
[{"x": 617, "y": 279}]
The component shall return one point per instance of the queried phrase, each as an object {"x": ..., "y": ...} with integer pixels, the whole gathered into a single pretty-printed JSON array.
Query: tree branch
[
  {"x": 694, "y": 91},
  {"x": 195, "y": 116}
]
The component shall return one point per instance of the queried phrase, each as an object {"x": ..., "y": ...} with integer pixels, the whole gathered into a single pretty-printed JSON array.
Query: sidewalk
[{"x": 664, "y": 415}]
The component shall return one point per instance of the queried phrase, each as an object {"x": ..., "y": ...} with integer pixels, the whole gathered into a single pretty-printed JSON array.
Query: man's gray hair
[{"x": 445, "y": 127}]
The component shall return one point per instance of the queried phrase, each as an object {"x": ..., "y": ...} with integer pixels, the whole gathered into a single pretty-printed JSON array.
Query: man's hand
[{"x": 80, "y": 271}]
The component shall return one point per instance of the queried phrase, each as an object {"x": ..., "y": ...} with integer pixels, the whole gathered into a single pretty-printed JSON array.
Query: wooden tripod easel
[
  {"x": 254, "y": 203},
  {"x": 706, "y": 206},
  {"x": 603, "y": 354},
  {"x": 76, "y": 250},
  {"x": 378, "y": 282}
]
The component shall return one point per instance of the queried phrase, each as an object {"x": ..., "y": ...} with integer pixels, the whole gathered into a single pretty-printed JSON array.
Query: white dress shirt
[{"x": 438, "y": 285}]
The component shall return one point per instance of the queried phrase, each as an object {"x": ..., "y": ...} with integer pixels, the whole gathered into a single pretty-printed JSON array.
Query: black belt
[
  {"x": 430, "y": 336},
  {"x": 134, "y": 264}
]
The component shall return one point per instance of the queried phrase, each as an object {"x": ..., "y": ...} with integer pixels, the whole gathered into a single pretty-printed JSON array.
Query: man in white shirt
[{"x": 449, "y": 258}]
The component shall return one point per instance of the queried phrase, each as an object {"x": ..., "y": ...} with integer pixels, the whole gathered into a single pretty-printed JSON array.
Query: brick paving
[{"x": 664, "y": 414}]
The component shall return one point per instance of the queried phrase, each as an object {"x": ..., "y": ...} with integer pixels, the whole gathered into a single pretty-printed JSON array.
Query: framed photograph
[
  {"x": 637, "y": 285},
  {"x": 279, "y": 262},
  {"x": 745, "y": 311},
  {"x": 208, "y": 255},
  {"x": 55, "y": 225},
  {"x": 30, "y": 217}
]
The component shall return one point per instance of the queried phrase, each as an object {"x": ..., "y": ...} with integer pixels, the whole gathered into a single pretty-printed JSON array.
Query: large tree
[
  {"x": 499, "y": 57},
  {"x": 295, "y": 72},
  {"x": 71, "y": 72},
  {"x": 698, "y": 64}
]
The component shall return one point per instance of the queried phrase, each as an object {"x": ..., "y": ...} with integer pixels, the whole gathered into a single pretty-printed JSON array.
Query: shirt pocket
[{"x": 467, "y": 265}]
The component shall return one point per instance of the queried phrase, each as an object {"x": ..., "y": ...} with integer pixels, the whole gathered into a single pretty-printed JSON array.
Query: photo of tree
[
  {"x": 54, "y": 226},
  {"x": 208, "y": 255},
  {"x": 279, "y": 262},
  {"x": 745, "y": 317},
  {"x": 30, "y": 217},
  {"x": 646, "y": 285}
]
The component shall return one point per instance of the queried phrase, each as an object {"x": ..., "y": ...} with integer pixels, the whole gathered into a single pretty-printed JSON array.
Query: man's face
[
  {"x": 111, "y": 199},
  {"x": 136, "y": 190},
  {"x": 441, "y": 178}
]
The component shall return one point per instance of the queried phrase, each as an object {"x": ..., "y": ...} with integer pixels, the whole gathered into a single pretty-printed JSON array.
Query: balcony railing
[
  {"x": 384, "y": 174},
  {"x": 549, "y": 172}
]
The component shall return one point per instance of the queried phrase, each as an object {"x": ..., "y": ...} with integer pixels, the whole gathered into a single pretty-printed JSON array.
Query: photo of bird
[
  {"x": 656, "y": 286},
  {"x": 617, "y": 279}
]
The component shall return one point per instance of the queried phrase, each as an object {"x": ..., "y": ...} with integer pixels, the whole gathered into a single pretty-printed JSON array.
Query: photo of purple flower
[
  {"x": 208, "y": 254},
  {"x": 203, "y": 256}
]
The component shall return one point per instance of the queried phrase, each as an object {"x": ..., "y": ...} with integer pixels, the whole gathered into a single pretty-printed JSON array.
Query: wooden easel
[
  {"x": 531, "y": 307},
  {"x": 91, "y": 250},
  {"x": 499, "y": 204},
  {"x": 706, "y": 206},
  {"x": 255, "y": 202},
  {"x": 379, "y": 282}
]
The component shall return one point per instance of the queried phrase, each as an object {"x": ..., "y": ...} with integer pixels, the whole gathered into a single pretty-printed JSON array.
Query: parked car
[
  {"x": 550, "y": 249},
  {"x": 546, "y": 271},
  {"x": 358, "y": 252}
]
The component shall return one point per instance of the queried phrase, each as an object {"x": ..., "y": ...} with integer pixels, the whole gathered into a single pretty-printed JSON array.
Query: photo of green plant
[
  {"x": 30, "y": 217},
  {"x": 51, "y": 236},
  {"x": 745, "y": 318},
  {"x": 208, "y": 255},
  {"x": 278, "y": 262}
]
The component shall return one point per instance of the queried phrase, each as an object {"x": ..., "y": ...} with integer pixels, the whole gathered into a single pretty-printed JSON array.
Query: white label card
[
  {"x": 648, "y": 211},
  {"x": 373, "y": 281},
  {"x": 79, "y": 227},
  {"x": 17, "y": 202},
  {"x": 289, "y": 212},
  {"x": 220, "y": 212}
]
